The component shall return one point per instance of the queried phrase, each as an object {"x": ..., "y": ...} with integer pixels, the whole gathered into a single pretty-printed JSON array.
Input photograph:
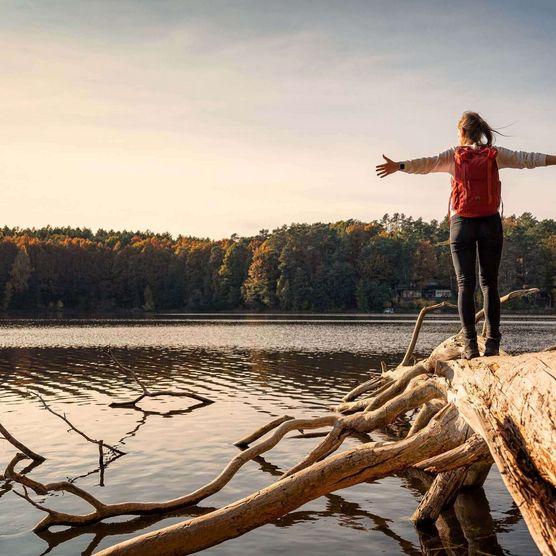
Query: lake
[{"x": 255, "y": 368}]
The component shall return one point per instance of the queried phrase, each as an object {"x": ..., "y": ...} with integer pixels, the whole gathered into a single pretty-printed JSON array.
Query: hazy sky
[{"x": 212, "y": 117}]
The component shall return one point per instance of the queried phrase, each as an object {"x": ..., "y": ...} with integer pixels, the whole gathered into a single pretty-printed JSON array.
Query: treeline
[{"x": 348, "y": 265}]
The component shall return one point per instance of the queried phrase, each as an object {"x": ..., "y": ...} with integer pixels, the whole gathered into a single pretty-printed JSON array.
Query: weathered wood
[
  {"x": 482, "y": 390},
  {"x": 418, "y": 324},
  {"x": 365, "y": 463},
  {"x": 385, "y": 393},
  {"x": 19, "y": 445},
  {"x": 509, "y": 401},
  {"x": 427, "y": 411},
  {"x": 474, "y": 449},
  {"x": 244, "y": 442},
  {"x": 102, "y": 510},
  {"x": 440, "y": 495}
]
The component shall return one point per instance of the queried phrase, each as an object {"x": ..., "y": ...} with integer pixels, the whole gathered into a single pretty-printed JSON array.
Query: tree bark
[{"x": 509, "y": 401}]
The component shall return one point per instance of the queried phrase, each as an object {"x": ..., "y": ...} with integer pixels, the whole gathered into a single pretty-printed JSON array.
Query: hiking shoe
[
  {"x": 470, "y": 349},
  {"x": 492, "y": 347}
]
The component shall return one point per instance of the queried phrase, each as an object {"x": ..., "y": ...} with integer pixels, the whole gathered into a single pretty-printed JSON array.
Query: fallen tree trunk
[
  {"x": 506, "y": 400},
  {"x": 510, "y": 402}
]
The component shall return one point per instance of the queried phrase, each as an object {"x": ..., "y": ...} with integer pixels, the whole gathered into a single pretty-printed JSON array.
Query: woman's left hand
[{"x": 389, "y": 167}]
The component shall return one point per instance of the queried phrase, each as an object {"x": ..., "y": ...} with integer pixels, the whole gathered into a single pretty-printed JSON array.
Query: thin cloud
[{"x": 210, "y": 120}]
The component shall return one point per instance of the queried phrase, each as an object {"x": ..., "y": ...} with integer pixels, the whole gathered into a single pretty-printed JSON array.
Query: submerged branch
[
  {"x": 19, "y": 445},
  {"x": 99, "y": 443},
  {"x": 150, "y": 394}
]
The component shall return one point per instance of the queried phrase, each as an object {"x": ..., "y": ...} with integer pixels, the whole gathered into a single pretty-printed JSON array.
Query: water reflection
[{"x": 102, "y": 531}]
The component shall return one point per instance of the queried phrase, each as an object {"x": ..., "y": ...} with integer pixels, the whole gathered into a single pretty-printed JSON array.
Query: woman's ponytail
[{"x": 475, "y": 128}]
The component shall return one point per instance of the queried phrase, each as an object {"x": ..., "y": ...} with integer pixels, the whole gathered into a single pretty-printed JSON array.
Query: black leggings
[{"x": 467, "y": 237}]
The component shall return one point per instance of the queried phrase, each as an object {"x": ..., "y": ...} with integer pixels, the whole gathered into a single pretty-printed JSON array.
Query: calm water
[{"x": 255, "y": 369}]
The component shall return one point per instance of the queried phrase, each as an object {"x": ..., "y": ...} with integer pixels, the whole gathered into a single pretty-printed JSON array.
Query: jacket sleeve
[
  {"x": 443, "y": 162},
  {"x": 519, "y": 159}
]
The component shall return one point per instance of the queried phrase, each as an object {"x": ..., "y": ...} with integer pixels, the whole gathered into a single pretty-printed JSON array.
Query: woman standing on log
[{"x": 475, "y": 223}]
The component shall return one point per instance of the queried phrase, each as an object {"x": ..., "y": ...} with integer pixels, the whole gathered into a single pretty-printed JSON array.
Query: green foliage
[
  {"x": 347, "y": 265},
  {"x": 233, "y": 273}
]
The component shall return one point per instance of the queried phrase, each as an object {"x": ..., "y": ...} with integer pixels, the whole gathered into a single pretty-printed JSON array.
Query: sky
[{"x": 209, "y": 117}]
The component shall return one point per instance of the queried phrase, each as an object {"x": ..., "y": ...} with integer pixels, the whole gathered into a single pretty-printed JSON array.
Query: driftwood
[
  {"x": 446, "y": 442},
  {"x": 100, "y": 443},
  {"x": 20, "y": 446},
  {"x": 146, "y": 393},
  {"x": 470, "y": 413},
  {"x": 418, "y": 324}
]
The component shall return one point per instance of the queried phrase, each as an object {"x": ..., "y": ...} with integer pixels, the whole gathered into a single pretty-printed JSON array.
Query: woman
[{"x": 475, "y": 223}]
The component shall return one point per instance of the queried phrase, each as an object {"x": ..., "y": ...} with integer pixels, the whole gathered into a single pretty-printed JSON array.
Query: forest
[{"x": 395, "y": 262}]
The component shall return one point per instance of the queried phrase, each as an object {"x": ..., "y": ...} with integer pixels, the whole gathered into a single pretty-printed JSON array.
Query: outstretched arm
[
  {"x": 389, "y": 167},
  {"x": 508, "y": 158},
  {"x": 443, "y": 162}
]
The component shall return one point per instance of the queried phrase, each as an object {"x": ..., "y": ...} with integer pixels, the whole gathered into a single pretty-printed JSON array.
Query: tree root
[
  {"x": 244, "y": 442},
  {"x": 424, "y": 311},
  {"x": 389, "y": 389},
  {"x": 441, "y": 494},
  {"x": 419, "y": 391},
  {"x": 474, "y": 449},
  {"x": 371, "y": 384},
  {"x": 505, "y": 298},
  {"x": 426, "y": 412},
  {"x": 365, "y": 463}
]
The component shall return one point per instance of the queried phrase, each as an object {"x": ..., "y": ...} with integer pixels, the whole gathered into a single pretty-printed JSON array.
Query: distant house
[
  {"x": 436, "y": 290},
  {"x": 442, "y": 293},
  {"x": 411, "y": 294}
]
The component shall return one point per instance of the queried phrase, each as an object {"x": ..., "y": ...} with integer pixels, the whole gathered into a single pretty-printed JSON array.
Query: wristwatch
[{"x": 402, "y": 166}]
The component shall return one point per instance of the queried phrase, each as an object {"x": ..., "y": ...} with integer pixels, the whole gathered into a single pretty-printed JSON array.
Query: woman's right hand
[{"x": 389, "y": 167}]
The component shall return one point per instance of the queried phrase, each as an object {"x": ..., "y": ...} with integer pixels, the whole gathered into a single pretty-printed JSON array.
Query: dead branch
[
  {"x": 255, "y": 435},
  {"x": 385, "y": 393},
  {"x": 419, "y": 391},
  {"x": 150, "y": 394},
  {"x": 505, "y": 298},
  {"x": 440, "y": 495},
  {"x": 365, "y": 463},
  {"x": 474, "y": 449},
  {"x": 362, "y": 388},
  {"x": 20, "y": 446},
  {"x": 365, "y": 422},
  {"x": 8, "y": 483},
  {"x": 99, "y": 443},
  {"x": 104, "y": 511},
  {"x": 424, "y": 311},
  {"x": 426, "y": 412}
]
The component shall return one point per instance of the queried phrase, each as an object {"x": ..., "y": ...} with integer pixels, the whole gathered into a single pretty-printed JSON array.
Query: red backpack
[{"x": 476, "y": 184}]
